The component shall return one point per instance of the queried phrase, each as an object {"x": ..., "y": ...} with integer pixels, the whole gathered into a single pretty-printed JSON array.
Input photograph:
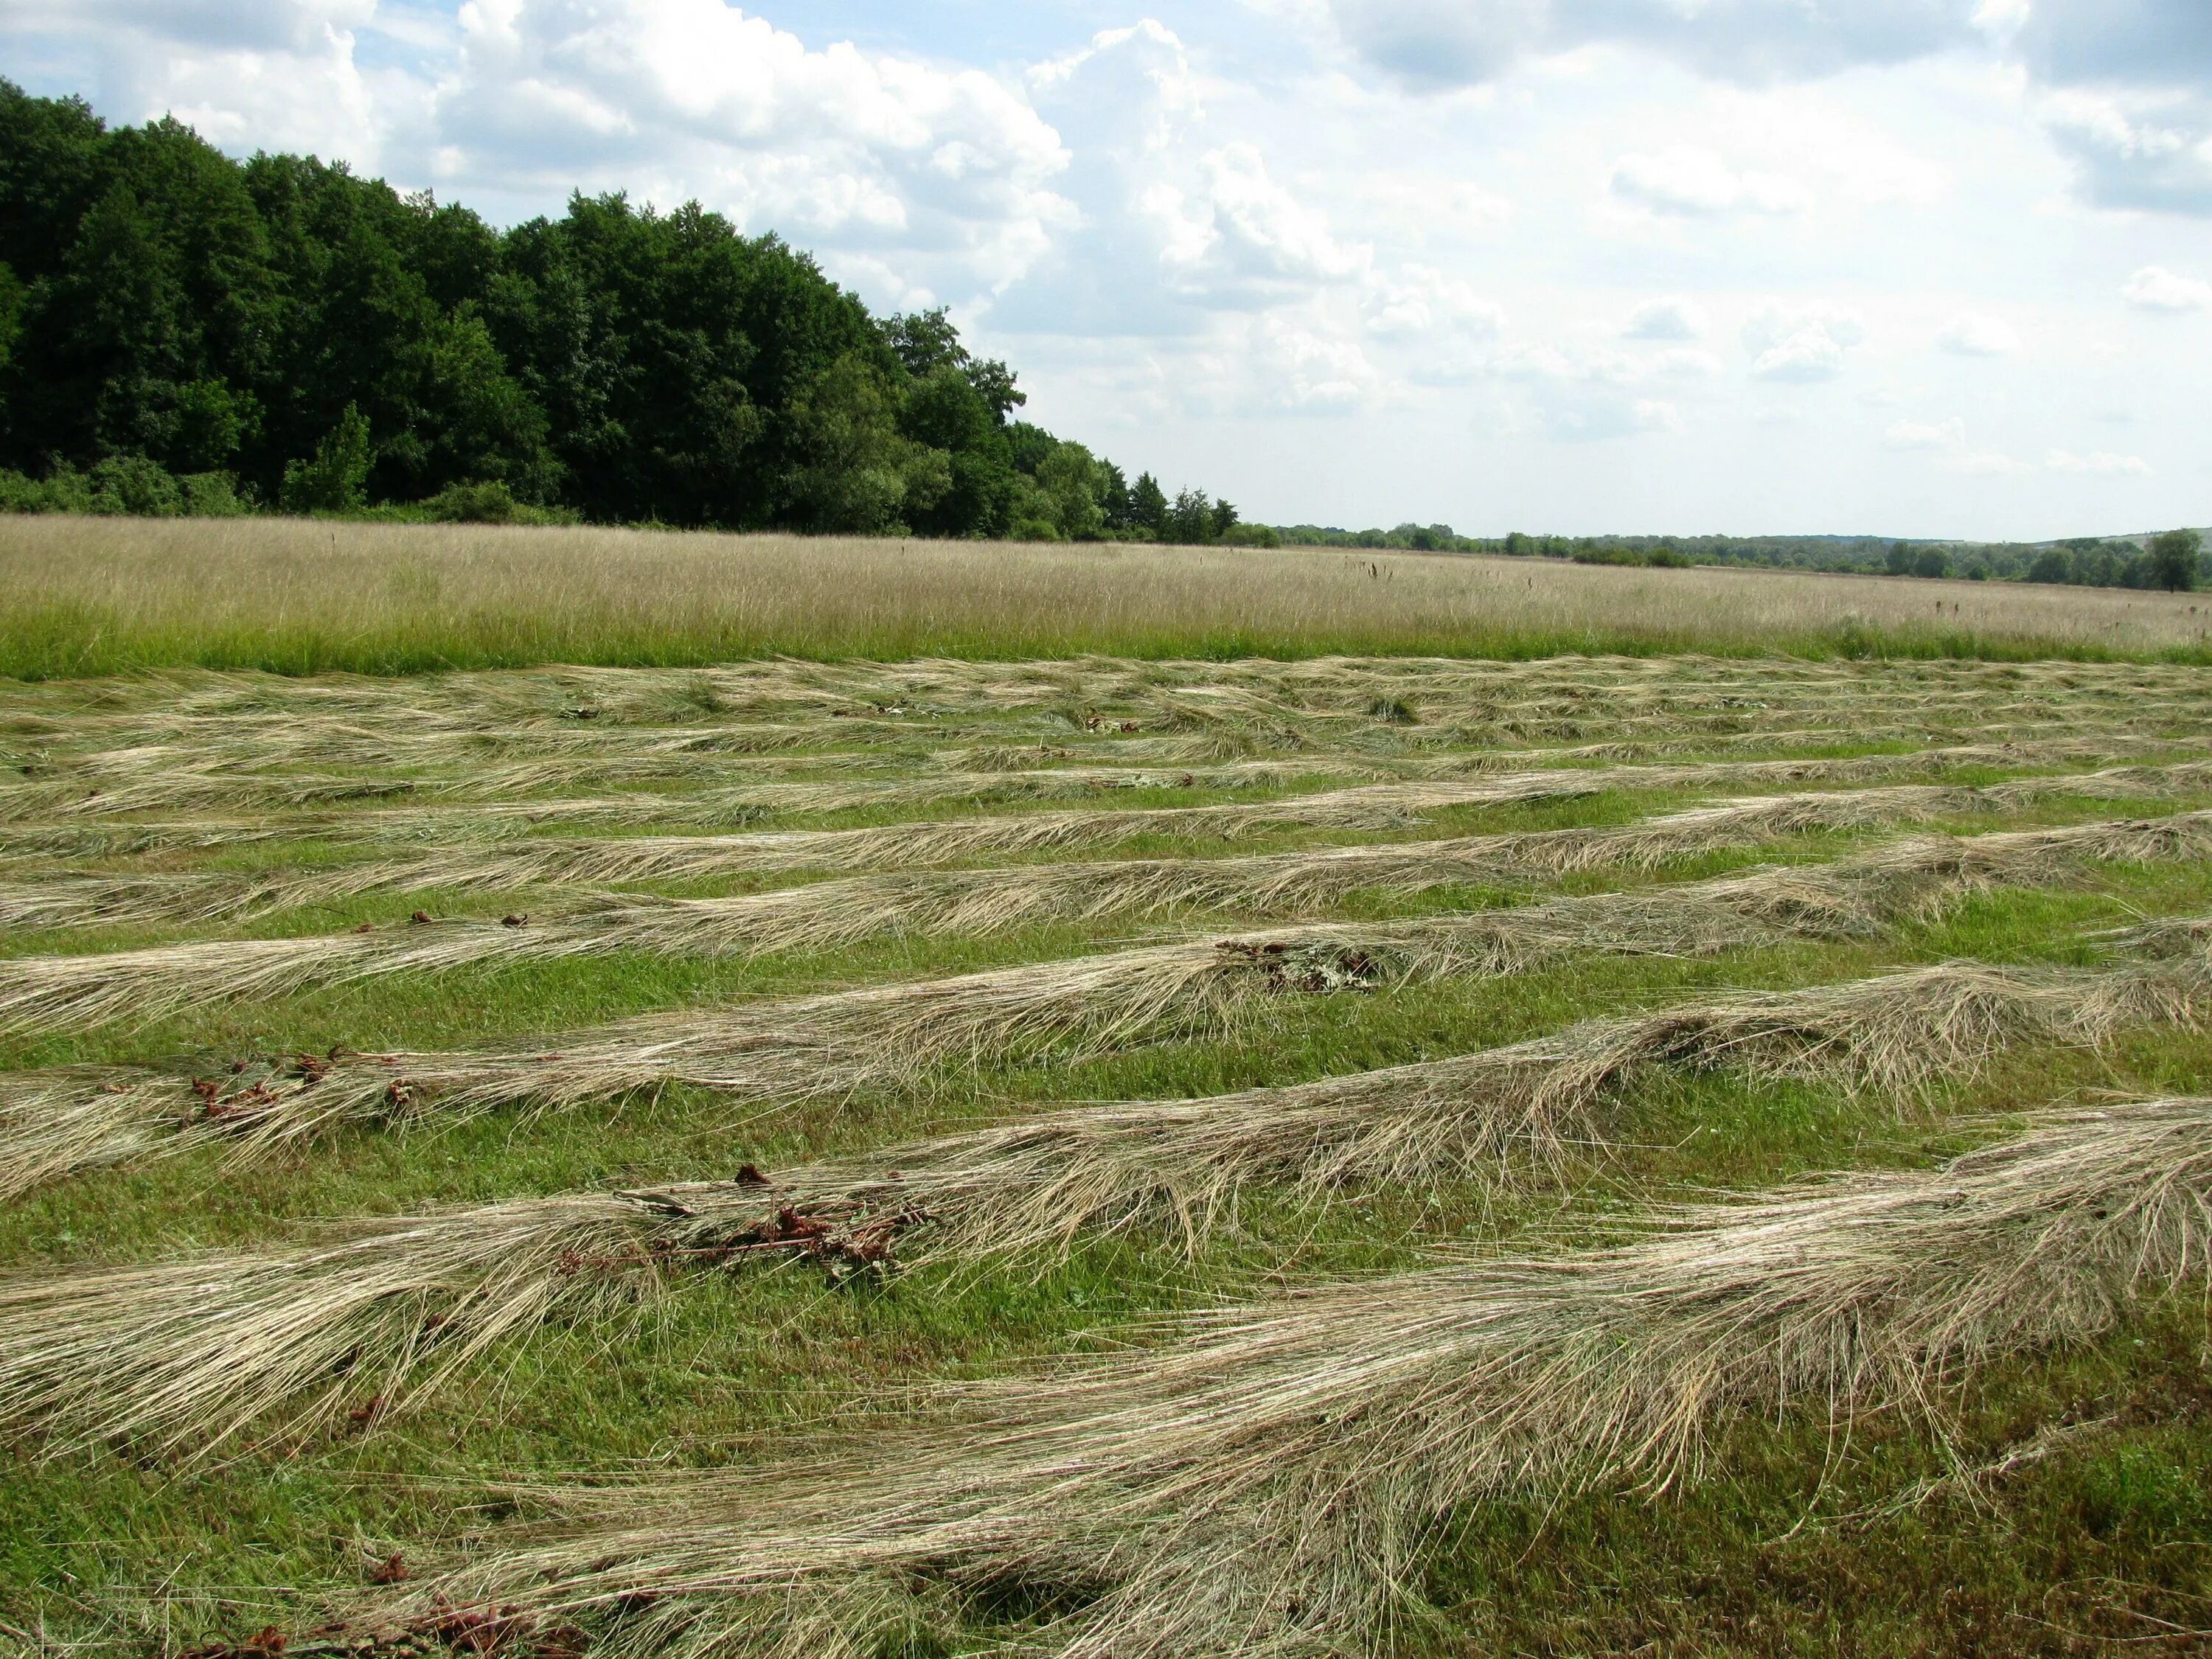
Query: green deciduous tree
[
  {"x": 300, "y": 334},
  {"x": 335, "y": 480},
  {"x": 2175, "y": 558}
]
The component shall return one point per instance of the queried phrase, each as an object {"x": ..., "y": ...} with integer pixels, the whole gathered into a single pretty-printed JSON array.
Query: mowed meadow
[
  {"x": 82, "y": 596},
  {"x": 1124, "y": 1153}
]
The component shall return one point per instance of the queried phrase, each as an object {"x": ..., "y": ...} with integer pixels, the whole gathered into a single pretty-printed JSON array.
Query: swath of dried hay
[
  {"x": 1271, "y": 1483},
  {"x": 73, "y": 900},
  {"x": 783, "y": 1050},
  {"x": 60, "y": 993},
  {"x": 1009, "y": 776},
  {"x": 196, "y": 1349}
]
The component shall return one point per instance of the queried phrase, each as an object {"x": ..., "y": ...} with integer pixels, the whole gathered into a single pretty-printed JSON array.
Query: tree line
[
  {"x": 2174, "y": 560},
  {"x": 182, "y": 332}
]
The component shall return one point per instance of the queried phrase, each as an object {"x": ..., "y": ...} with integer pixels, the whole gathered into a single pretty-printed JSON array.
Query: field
[
  {"x": 97, "y": 595},
  {"x": 1662, "y": 1153}
]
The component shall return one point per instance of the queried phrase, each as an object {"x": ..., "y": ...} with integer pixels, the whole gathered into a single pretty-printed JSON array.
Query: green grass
[{"x": 1801, "y": 1542}]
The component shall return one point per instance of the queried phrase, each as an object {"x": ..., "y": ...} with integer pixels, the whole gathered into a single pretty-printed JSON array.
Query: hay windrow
[
  {"x": 1266, "y": 1484},
  {"x": 66, "y": 900},
  {"x": 60, "y": 993},
  {"x": 193, "y": 1350},
  {"x": 782, "y": 1050}
]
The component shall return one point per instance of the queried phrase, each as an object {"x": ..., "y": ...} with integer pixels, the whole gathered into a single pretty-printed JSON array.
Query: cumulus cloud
[
  {"x": 1695, "y": 183},
  {"x": 1987, "y": 463},
  {"x": 2156, "y": 288},
  {"x": 2130, "y": 41},
  {"x": 2101, "y": 461},
  {"x": 1801, "y": 343},
  {"x": 283, "y": 26},
  {"x": 1447, "y": 329},
  {"x": 1970, "y": 334},
  {"x": 1578, "y": 392},
  {"x": 1671, "y": 317},
  {"x": 1943, "y": 435},
  {"x": 1436, "y": 45},
  {"x": 2150, "y": 152},
  {"x": 1238, "y": 221},
  {"x": 836, "y": 147},
  {"x": 276, "y": 74}
]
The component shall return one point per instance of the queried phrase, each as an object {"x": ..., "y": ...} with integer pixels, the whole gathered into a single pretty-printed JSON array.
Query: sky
[{"x": 1899, "y": 267}]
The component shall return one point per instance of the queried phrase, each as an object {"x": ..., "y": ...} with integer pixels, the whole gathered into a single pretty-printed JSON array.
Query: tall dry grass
[{"x": 87, "y": 596}]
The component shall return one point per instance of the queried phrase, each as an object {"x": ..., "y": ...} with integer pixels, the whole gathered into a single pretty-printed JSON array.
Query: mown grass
[
  {"x": 1801, "y": 1542},
  {"x": 97, "y": 595}
]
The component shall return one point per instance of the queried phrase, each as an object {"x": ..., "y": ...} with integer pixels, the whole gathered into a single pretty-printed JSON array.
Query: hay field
[
  {"x": 92, "y": 596},
  {"x": 1116, "y": 1155}
]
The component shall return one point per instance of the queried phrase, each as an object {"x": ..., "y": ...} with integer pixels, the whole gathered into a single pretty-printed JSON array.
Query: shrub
[
  {"x": 213, "y": 495},
  {"x": 1034, "y": 529},
  {"x": 473, "y": 503},
  {"x": 337, "y": 480},
  {"x": 132, "y": 486},
  {"x": 1250, "y": 535}
]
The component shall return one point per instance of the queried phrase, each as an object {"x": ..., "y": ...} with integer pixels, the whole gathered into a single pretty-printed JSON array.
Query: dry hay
[
  {"x": 1012, "y": 774},
  {"x": 57, "y": 993},
  {"x": 787, "y": 1049},
  {"x": 196, "y": 1349},
  {"x": 1272, "y": 1482},
  {"x": 73, "y": 900}
]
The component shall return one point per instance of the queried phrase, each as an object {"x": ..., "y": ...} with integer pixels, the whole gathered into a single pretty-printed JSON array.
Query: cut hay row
[
  {"x": 784, "y": 1050},
  {"x": 196, "y": 1349},
  {"x": 228, "y": 789},
  {"x": 61, "y": 993},
  {"x": 188, "y": 756},
  {"x": 745, "y": 804},
  {"x": 181, "y": 701},
  {"x": 73, "y": 900},
  {"x": 1272, "y": 1482},
  {"x": 531, "y": 758},
  {"x": 999, "y": 777}
]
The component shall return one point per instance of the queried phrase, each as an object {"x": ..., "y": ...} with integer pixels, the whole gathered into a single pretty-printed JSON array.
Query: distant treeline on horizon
[
  {"x": 183, "y": 333},
  {"x": 2147, "y": 562}
]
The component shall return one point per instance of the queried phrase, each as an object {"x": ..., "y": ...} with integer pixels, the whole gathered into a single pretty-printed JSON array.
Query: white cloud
[
  {"x": 1801, "y": 343},
  {"x": 1970, "y": 334},
  {"x": 1947, "y": 441},
  {"x": 2156, "y": 288},
  {"x": 1987, "y": 463},
  {"x": 2101, "y": 461},
  {"x": 1240, "y": 220},
  {"x": 1674, "y": 317},
  {"x": 2145, "y": 151},
  {"x": 1435, "y": 44},
  {"x": 836, "y": 147},
  {"x": 1908, "y": 435},
  {"x": 1695, "y": 183}
]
